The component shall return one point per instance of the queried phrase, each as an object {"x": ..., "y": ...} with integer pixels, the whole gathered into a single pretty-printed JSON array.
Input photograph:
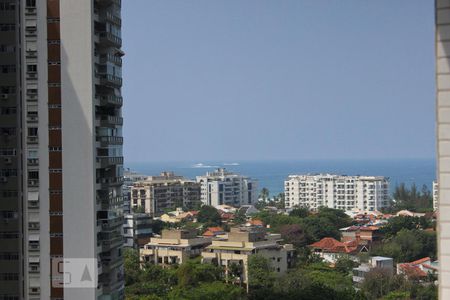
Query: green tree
[
  {"x": 209, "y": 216},
  {"x": 293, "y": 234},
  {"x": 260, "y": 277},
  {"x": 345, "y": 265},
  {"x": 264, "y": 194},
  {"x": 192, "y": 273},
  {"x": 131, "y": 265},
  {"x": 208, "y": 291},
  {"x": 300, "y": 212},
  {"x": 408, "y": 245}
]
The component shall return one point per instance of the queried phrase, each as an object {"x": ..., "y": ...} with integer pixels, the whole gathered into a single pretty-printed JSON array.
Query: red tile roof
[
  {"x": 420, "y": 261},
  {"x": 213, "y": 231},
  {"x": 413, "y": 271},
  {"x": 332, "y": 245}
]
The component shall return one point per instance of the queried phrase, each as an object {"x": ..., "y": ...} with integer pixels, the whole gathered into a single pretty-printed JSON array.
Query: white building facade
[
  {"x": 226, "y": 188},
  {"x": 337, "y": 191}
]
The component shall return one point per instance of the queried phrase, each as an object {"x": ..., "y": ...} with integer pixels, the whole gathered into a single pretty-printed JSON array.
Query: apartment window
[
  {"x": 8, "y": 215},
  {"x": 8, "y": 172},
  {"x": 9, "y": 276},
  {"x": 8, "y": 110},
  {"x": 32, "y": 131},
  {"x": 31, "y": 3},
  {"x": 7, "y": 48},
  {"x": 33, "y": 175},
  {"x": 9, "y": 235},
  {"x": 7, "y": 151},
  {"x": 7, "y": 27},
  {"x": 8, "y": 131},
  {"x": 9, "y": 193},
  {"x": 7, "y": 90},
  {"x": 32, "y": 68},
  {"x": 8, "y": 68},
  {"x": 9, "y": 256}
]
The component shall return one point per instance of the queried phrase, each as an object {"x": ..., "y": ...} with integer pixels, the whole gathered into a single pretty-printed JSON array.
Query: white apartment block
[
  {"x": 167, "y": 191},
  {"x": 435, "y": 195},
  {"x": 226, "y": 188},
  {"x": 337, "y": 191}
]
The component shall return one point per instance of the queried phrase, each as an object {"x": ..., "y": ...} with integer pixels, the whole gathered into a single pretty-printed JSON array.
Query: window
[
  {"x": 31, "y": 3},
  {"x": 8, "y": 5},
  {"x": 7, "y": 27},
  {"x": 32, "y": 68},
  {"x": 33, "y": 175},
  {"x": 8, "y": 68},
  {"x": 32, "y": 131},
  {"x": 8, "y": 110},
  {"x": 7, "y": 48},
  {"x": 8, "y": 172}
]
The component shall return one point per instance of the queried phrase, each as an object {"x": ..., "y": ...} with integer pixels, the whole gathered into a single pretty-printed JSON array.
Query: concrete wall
[
  {"x": 443, "y": 141},
  {"x": 78, "y": 137}
]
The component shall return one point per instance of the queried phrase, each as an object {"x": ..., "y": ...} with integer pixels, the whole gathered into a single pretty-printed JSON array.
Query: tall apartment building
[
  {"x": 336, "y": 191},
  {"x": 157, "y": 194},
  {"x": 442, "y": 43},
  {"x": 222, "y": 187},
  {"x": 61, "y": 160},
  {"x": 10, "y": 155}
]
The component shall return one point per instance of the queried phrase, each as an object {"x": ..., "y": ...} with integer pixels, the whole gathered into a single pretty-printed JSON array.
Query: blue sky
[{"x": 230, "y": 80}]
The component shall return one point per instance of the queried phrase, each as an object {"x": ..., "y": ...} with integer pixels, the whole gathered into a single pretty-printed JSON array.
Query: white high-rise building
[
  {"x": 336, "y": 191},
  {"x": 223, "y": 187}
]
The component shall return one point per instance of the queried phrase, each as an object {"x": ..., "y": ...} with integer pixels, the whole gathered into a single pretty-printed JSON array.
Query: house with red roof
[
  {"x": 418, "y": 269},
  {"x": 331, "y": 249},
  {"x": 213, "y": 231}
]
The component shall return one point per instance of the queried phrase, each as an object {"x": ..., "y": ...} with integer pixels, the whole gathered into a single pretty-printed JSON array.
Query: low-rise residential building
[
  {"x": 385, "y": 263},
  {"x": 179, "y": 215},
  {"x": 233, "y": 253},
  {"x": 337, "y": 191},
  {"x": 222, "y": 187},
  {"x": 435, "y": 195},
  {"x": 419, "y": 269},
  {"x": 370, "y": 234},
  {"x": 157, "y": 194},
  {"x": 173, "y": 247},
  {"x": 137, "y": 229},
  {"x": 330, "y": 249}
]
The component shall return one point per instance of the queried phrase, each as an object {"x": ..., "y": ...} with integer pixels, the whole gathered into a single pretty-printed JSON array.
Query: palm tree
[{"x": 264, "y": 194}]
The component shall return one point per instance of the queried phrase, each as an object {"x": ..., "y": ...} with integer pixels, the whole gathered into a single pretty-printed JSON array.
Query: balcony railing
[
  {"x": 110, "y": 121},
  {"x": 108, "y": 79},
  {"x": 109, "y": 17},
  {"x": 110, "y": 100},
  {"x": 112, "y": 243},
  {"x": 110, "y": 140},
  {"x": 104, "y": 58},
  {"x": 108, "y": 161},
  {"x": 110, "y": 180},
  {"x": 109, "y": 39}
]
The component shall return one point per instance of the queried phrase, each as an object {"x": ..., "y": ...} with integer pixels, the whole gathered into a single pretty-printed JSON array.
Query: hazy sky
[{"x": 230, "y": 80}]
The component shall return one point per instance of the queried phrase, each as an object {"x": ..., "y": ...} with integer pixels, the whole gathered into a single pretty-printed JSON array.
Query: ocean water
[{"x": 271, "y": 174}]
